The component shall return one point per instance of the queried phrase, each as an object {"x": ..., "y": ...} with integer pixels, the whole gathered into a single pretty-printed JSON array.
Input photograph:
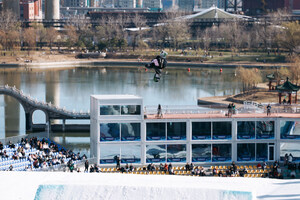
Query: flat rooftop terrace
[
  {"x": 195, "y": 112},
  {"x": 220, "y": 115}
]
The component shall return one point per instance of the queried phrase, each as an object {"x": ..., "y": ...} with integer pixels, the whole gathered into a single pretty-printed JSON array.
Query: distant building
[
  {"x": 12, "y": 5},
  {"x": 30, "y": 9},
  {"x": 259, "y": 7},
  {"x": 154, "y": 5},
  {"x": 77, "y": 3},
  {"x": 186, "y": 5},
  {"x": 27, "y": 10},
  {"x": 139, "y": 3},
  {"x": 24, "y": 9},
  {"x": 296, "y": 7},
  {"x": 168, "y": 4},
  {"x": 127, "y": 3},
  {"x": 94, "y": 3},
  {"x": 210, "y": 3}
]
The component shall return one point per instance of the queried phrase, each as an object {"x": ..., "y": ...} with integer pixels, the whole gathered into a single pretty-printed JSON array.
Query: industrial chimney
[{"x": 52, "y": 10}]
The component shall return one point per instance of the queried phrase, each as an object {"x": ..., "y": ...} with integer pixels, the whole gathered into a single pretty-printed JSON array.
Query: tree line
[{"x": 171, "y": 32}]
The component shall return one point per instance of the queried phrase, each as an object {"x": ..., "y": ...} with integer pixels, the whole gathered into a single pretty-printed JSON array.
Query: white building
[
  {"x": 113, "y": 119},
  {"x": 120, "y": 127}
]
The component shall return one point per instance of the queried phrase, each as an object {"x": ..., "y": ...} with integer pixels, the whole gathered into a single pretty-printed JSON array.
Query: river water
[{"x": 71, "y": 88}]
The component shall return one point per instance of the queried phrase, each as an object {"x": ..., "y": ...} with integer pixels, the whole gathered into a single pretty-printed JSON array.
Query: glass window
[
  {"x": 109, "y": 153},
  {"x": 156, "y": 131},
  {"x": 131, "y": 110},
  {"x": 290, "y": 148},
  {"x": 290, "y": 130},
  {"x": 109, "y": 132},
  {"x": 110, "y": 110},
  {"x": 201, "y": 152},
  {"x": 201, "y": 130},
  {"x": 131, "y": 154},
  {"x": 155, "y": 153},
  {"x": 221, "y": 130},
  {"x": 262, "y": 152},
  {"x": 176, "y": 130},
  {"x": 265, "y": 129},
  {"x": 176, "y": 153},
  {"x": 130, "y": 131},
  {"x": 221, "y": 152},
  {"x": 246, "y": 152},
  {"x": 245, "y": 130}
]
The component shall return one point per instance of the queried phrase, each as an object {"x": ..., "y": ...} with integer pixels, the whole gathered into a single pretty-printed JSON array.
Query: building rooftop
[
  {"x": 213, "y": 13},
  {"x": 114, "y": 96},
  {"x": 246, "y": 111},
  {"x": 287, "y": 86},
  {"x": 223, "y": 115}
]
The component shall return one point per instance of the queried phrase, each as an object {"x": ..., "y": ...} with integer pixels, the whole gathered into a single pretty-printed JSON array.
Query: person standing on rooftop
[{"x": 268, "y": 110}]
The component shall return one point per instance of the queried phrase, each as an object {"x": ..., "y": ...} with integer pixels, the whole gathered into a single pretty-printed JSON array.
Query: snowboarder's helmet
[{"x": 163, "y": 54}]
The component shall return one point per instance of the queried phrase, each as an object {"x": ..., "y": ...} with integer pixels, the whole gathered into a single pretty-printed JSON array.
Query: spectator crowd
[{"x": 33, "y": 154}]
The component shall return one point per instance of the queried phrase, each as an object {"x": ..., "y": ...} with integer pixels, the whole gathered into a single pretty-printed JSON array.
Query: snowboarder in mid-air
[{"x": 158, "y": 64}]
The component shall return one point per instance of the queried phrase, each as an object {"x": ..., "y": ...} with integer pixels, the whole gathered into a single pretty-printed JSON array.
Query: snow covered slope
[{"x": 57, "y": 185}]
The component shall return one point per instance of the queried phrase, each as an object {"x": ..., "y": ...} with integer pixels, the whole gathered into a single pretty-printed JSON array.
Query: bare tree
[
  {"x": 173, "y": 28},
  {"x": 289, "y": 36},
  {"x": 249, "y": 77},
  {"x": 295, "y": 69},
  {"x": 84, "y": 32},
  {"x": 107, "y": 33},
  {"x": 234, "y": 34},
  {"x": 178, "y": 31},
  {"x": 29, "y": 38},
  {"x": 206, "y": 39},
  {"x": 140, "y": 23},
  {"x": 51, "y": 36},
  {"x": 72, "y": 36},
  {"x": 9, "y": 29},
  {"x": 122, "y": 22},
  {"x": 40, "y": 33}
]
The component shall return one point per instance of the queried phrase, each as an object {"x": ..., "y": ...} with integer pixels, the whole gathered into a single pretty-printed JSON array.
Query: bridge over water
[{"x": 51, "y": 111}]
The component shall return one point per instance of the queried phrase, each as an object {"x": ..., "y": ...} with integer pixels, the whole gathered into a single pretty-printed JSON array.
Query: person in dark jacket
[
  {"x": 158, "y": 64},
  {"x": 86, "y": 166}
]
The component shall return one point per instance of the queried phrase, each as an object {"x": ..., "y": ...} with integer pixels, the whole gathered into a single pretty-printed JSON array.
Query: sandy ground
[
  {"x": 37, "y": 57},
  {"x": 46, "y": 56},
  {"x": 261, "y": 95}
]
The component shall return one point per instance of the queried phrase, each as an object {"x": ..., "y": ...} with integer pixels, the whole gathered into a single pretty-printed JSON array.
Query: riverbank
[
  {"x": 55, "y": 59},
  {"x": 260, "y": 95}
]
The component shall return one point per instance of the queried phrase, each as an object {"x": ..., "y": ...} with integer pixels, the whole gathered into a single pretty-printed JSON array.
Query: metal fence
[{"x": 64, "y": 168}]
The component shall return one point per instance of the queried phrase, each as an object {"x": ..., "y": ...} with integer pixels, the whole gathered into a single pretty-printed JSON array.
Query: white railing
[
  {"x": 183, "y": 110},
  {"x": 247, "y": 108}
]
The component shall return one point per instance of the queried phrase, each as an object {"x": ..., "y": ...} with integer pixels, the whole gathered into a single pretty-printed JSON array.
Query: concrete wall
[
  {"x": 52, "y": 9},
  {"x": 13, "y": 5}
]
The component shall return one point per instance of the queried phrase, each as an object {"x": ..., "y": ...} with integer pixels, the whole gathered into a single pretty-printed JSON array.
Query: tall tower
[
  {"x": 52, "y": 9},
  {"x": 12, "y": 5}
]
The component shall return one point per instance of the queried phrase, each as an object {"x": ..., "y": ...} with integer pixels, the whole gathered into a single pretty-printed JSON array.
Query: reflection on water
[{"x": 71, "y": 88}]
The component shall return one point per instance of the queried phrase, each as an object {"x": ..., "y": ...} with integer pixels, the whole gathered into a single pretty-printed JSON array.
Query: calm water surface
[{"x": 71, "y": 88}]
